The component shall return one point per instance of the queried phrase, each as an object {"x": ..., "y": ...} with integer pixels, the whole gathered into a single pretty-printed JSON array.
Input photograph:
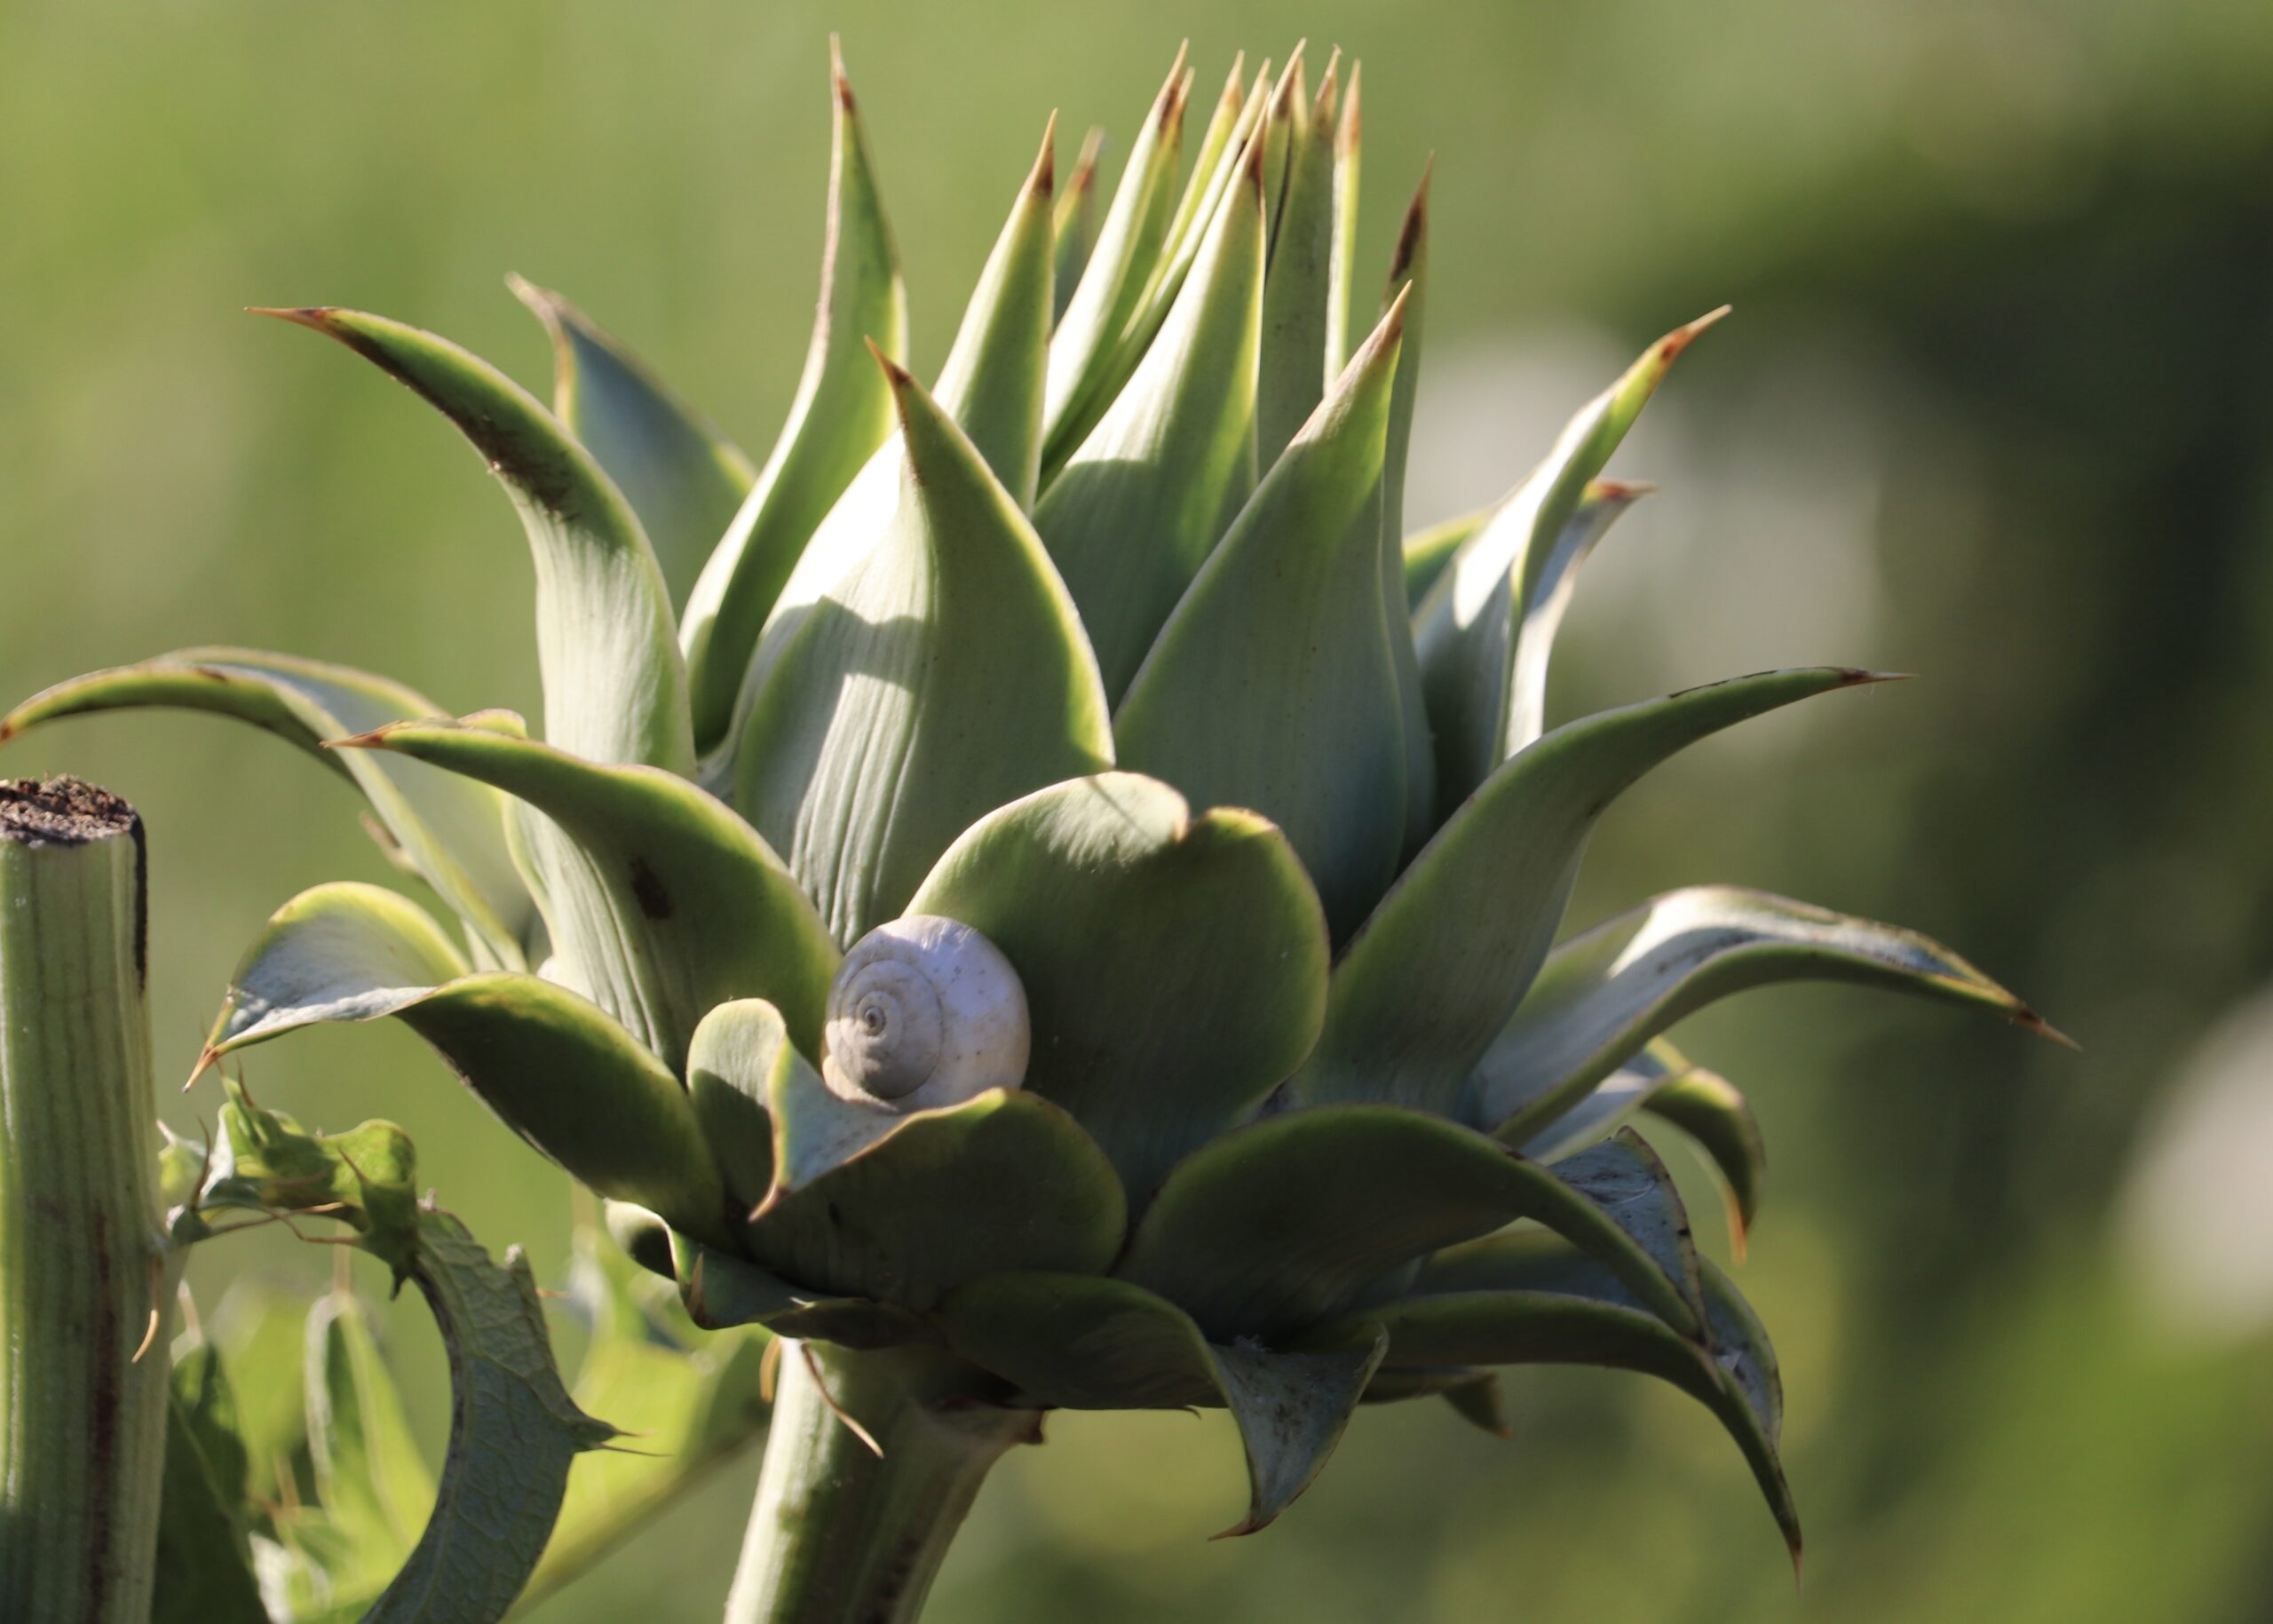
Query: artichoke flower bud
[{"x": 924, "y": 1012}]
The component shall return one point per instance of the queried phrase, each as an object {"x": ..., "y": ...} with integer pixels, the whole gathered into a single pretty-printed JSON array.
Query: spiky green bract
[
  {"x": 1295, "y": 299},
  {"x": 662, "y": 903},
  {"x": 615, "y": 686},
  {"x": 842, "y": 413},
  {"x": 1442, "y": 963},
  {"x": 992, "y": 381},
  {"x": 1079, "y": 1342},
  {"x": 1073, "y": 223},
  {"x": 1135, "y": 511},
  {"x": 1272, "y": 686},
  {"x": 1601, "y": 996},
  {"x": 1303, "y": 1215},
  {"x": 449, "y": 831},
  {"x": 943, "y": 676},
  {"x": 1527, "y": 1298},
  {"x": 1174, "y": 966},
  {"x": 1408, "y": 282},
  {"x": 682, "y": 477},
  {"x": 558, "y": 1071},
  {"x": 1114, "y": 280},
  {"x": 1344, "y": 240},
  {"x": 1467, "y": 629}
]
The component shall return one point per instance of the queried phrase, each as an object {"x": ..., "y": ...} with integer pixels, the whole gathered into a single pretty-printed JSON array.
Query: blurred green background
[{"x": 1993, "y": 409}]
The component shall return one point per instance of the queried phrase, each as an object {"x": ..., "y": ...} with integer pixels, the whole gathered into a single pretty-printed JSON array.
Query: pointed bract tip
[
  {"x": 1043, "y": 179},
  {"x": 2043, "y": 1028},
  {"x": 1235, "y": 84},
  {"x": 375, "y": 740},
  {"x": 1739, "y": 1232},
  {"x": 1245, "y": 1527},
  {"x": 839, "y": 86},
  {"x": 1674, "y": 343},
  {"x": 895, "y": 375},
  {"x": 1353, "y": 120},
  {"x": 1620, "y": 490},
  {"x": 316, "y": 316},
  {"x": 1855, "y": 677},
  {"x": 1169, "y": 103},
  {"x": 206, "y": 1056},
  {"x": 1329, "y": 89}
]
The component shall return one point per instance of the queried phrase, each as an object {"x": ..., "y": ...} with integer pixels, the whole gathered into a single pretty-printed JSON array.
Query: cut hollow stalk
[
  {"x": 81, "y": 1418},
  {"x": 853, "y": 1525}
]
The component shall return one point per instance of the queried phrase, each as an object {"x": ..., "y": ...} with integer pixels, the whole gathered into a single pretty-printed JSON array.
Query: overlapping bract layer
[{"x": 1110, "y": 648}]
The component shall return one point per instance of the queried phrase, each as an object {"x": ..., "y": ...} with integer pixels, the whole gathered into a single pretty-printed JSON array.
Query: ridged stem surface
[
  {"x": 81, "y": 1423},
  {"x": 840, "y": 1533}
]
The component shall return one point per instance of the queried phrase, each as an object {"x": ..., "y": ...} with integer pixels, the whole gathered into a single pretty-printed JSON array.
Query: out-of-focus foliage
[{"x": 1993, "y": 407}]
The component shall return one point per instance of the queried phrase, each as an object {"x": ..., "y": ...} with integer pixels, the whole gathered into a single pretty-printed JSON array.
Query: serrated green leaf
[
  {"x": 1281, "y": 1224},
  {"x": 1426, "y": 552},
  {"x": 1073, "y": 223},
  {"x": 682, "y": 477},
  {"x": 856, "y": 759},
  {"x": 371, "y": 1480},
  {"x": 551, "y": 1065},
  {"x": 662, "y": 903},
  {"x": 841, "y": 415},
  {"x": 1118, "y": 268},
  {"x": 1530, "y": 1299},
  {"x": 205, "y": 1574},
  {"x": 1272, "y": 686},
  {"x": 1604, "y": 995},
  {"x": 513, "y": 1432},
  {"x": 1442, "y": 963},
  {"x": 859, "y": 1194},
  {"x": 450, "y": 832},
  {"x": 1135, "y": 511},
  {"x": 615, "y": 686},
  {"x": 1174, "y": 966},
  {"x": 1463, "y": 630},
  {"x": 688, "y": 1409},
  {"x": 1293, "y": 377},
  {"x": 1080, "y": 1341}
]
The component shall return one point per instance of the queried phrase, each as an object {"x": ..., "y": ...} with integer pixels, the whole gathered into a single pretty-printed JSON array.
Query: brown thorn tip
[
  {"x": 2044, "y": 1028},
  {"x": 1674, "y": 343},
  {"x": 839, "y": 86},
  {"x": 812, "y": 1368},
  {"x": 1044, "y": 178},
  {"x": 317, "y": 316},
  {"x": 206, "y": 1056},
  {"x": 896, "y": 374}
]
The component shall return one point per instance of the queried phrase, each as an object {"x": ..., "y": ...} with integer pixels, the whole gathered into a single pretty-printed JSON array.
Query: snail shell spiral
[{"x": 924, "y": 1012}]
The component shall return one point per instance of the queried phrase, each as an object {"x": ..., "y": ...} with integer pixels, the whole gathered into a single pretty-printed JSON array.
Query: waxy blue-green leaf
[
  {"x": 1073, "y": 223},
  {"x": 1532, "y": 628},
  {"x": 1295, "y": 329},
  {"x": 689, "y": 1404},
  {"x": 615, "y": 686},
  {"x": 1272, "y": 686},
  {"x": 1408, "y": 282},
  {"x": 736, "y": 1062},
  {"x": 1604, "y": 995},
  {"x": 1081, "y": 1342},
  {"x": 1521, "y": 1299},
  {"x": 682, "y": 477},
  {"x": 869, "y": 1203},
  {"x": 1426, "y": 552},
  {"x": 860, "y": 758},
  {"x": 1343, "y": 243},
  {"x": 1118, "y": 267},
  {"x": 1137, "y": 510},
  {"x": 513, "y": 1432},
  {"x": 1174, "y": 966},
  {"x": 1718, "y": 1120},
  {"x": 558, "y": 1072},
  {"x": 662, "y": 903},
  {"x": 450, "y": 831},
  {"x": 842, "y": 413},
  {"x": 1467, "y": 628},
  {"x": 1622, "y": 1094},
  {"x": 1279, "y": 1225},
  {"x": 372, "y": 1482},
  {"x": 1438, "y": 969}
]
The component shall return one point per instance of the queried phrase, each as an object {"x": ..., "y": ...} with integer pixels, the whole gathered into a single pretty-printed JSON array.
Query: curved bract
[{"x": 1108, "y": 960}]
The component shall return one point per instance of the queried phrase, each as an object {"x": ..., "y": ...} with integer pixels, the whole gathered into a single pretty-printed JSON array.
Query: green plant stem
[
  {"x": 81, "y": 1420},
  {"x": 840, "y": 1533}
]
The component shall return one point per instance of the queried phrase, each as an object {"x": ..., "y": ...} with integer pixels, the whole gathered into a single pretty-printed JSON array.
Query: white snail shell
[{"x": 924, "y": 1012}]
